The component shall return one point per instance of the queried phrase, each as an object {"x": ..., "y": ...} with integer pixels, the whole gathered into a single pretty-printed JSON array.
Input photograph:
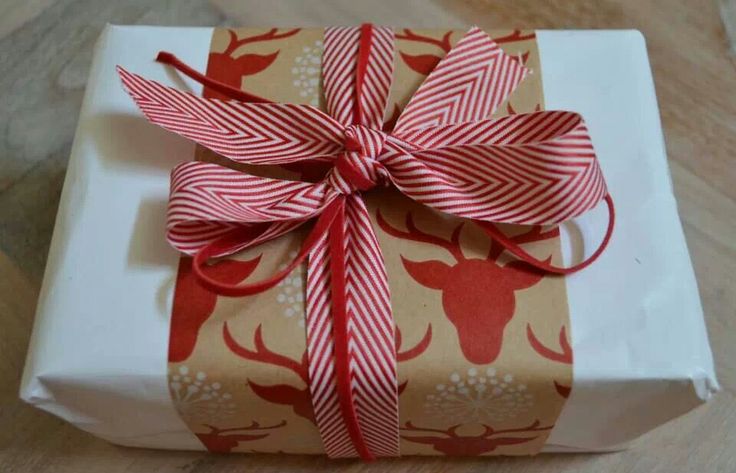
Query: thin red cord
[
  {"x": 511, "y": 246},
  {"x": 237, "y": 94}
]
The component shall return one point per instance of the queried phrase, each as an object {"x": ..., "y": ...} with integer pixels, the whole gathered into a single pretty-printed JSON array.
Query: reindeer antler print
[
  {"x": 297, "y": 397},
  {"x": 413, "y": 233},
  {"x": 478, "y": 295},
  {"x": 414, "y": 351},
  {"x": 450, "y": 442},
  {"x": 411, "y": 353},
  {"x": 271, "y": 35},
  {"x": 424, "y": 63},
  {"x": 443, "y": 44},
  {"x": 563, "y": 356},
  {"x": 225, "y": 440},
  {"x": 516, "y": 35},
  {"x": 193, "y": 304}
]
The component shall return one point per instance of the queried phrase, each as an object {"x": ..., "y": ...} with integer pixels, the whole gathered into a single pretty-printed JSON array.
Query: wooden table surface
[{"x": 45, "y": 52}]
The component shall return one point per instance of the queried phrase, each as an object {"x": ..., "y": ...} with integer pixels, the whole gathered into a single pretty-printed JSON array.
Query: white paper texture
[{"x": 97, "y": 357}]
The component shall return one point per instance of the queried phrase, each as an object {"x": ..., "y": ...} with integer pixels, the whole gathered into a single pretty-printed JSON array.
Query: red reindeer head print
[
  {"x": 478, "y": 295},
  {"x": 193, "y": 304},
  {"x": 224, "y": 440},
  {"x": 299, "y": 398},
  {"x": 450, "y": 442},
  {"x": 230, "y": 69}
]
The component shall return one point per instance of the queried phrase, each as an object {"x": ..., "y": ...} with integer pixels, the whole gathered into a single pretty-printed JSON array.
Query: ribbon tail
[
  {"x": 253, "y": 133},
  {"x": 350, "y": 340}
]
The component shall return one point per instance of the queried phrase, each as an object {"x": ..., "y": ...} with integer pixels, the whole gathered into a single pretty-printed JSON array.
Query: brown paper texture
[{"x": 483, "y": 361}]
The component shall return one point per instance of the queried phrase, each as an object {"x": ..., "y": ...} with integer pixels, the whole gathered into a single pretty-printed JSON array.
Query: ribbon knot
[{"x": 358, "y": 167}]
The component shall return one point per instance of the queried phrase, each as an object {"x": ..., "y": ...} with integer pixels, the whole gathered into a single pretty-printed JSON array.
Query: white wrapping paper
[{"x": 97, "y": 357}]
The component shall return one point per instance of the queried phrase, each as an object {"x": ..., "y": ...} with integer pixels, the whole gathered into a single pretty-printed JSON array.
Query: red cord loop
[
  {"x": 512, "y": 247},
  {"x": 235, "y": 238}
]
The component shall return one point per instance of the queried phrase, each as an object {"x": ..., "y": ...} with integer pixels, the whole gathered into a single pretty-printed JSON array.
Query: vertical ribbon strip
[{"x": 353, "y": 384}]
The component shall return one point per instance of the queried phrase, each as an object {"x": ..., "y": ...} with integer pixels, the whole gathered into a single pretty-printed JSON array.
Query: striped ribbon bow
[{"x": 445, "y": 152}]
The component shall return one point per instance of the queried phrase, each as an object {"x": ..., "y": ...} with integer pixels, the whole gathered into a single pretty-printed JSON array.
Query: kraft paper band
[{"x": 485, "y": 364}]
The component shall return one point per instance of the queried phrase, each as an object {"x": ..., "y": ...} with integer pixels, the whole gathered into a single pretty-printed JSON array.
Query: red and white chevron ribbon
[{"x": 445, "y": 152}]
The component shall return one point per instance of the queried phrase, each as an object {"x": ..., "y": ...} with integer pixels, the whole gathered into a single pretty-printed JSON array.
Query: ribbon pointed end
[{"x": 130, "y": 81}]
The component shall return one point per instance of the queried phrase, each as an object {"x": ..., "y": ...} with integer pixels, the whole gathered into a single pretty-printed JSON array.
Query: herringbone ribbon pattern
[{"x": 444, "y": 152}]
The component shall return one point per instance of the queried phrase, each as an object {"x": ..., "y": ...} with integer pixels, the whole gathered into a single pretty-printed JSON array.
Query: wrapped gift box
[{"x": 99, "y": 351}]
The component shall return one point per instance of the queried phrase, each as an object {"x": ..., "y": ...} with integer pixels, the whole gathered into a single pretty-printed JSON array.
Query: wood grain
[{"x": 46, "y": 47}]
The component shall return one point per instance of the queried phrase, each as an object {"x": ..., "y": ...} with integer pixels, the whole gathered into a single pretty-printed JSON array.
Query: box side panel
[
  {"x": 641, "y": 350},
  {"x": 98, "y": 354}
]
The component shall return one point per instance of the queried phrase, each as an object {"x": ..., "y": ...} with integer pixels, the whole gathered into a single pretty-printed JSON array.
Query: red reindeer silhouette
[
  {"x": 449, "y": 442},
  {"x": 230, "y": 69},
  {"x": 478, "y": 295},
  {"x": 224, "y": 440},
  {"x": 193, "y": 304},
  {"x": 300, "y": 399}
]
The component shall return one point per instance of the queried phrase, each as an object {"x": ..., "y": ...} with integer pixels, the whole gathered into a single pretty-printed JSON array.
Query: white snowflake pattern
[
  {"x": 478, "y": 397},
  {"x": 307, "y": 70},
  {"x": 198, "y": 399},
  {"x": 291, "y": 293}
]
